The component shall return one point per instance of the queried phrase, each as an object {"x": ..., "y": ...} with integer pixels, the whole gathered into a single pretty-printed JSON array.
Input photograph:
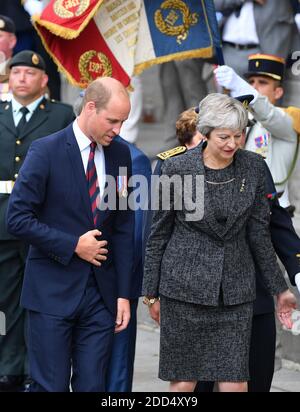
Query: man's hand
[
  {"x": 123, "y": 314},
  {"x": 286, "y": 303},
  {"x": 154, "y": 311},
  {"x": 229, "y": 79},
  {"x": 90, "y": 249}
]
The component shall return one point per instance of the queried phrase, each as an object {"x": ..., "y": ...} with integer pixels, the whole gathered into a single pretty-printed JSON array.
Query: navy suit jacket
[
  {"x": 140, "y": 166},
  {"x": 50, "y": 209}
]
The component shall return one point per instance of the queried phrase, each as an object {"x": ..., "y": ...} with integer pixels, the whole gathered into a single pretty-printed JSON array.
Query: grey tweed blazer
[{"x": 191, "y": 260}]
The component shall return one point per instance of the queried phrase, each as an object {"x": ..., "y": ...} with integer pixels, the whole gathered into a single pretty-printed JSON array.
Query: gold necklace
[{"x": 220, "y": 183}]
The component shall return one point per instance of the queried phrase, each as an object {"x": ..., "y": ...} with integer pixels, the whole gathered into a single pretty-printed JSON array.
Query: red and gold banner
[
  {"x": 67, "y": 18},
  {"x": 71, "y": 36}
]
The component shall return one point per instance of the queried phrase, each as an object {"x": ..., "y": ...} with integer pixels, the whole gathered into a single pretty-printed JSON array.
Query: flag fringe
[
  {"x": 61, "y": 68},
  {"x": 191, "y": 54}
]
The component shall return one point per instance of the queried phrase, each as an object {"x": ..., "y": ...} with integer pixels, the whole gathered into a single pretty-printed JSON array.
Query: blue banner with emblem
[{"x": 176, "y": 29}]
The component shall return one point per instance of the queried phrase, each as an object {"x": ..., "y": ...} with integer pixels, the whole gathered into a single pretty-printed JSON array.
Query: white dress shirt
[
  {"x": 16, "y": 106},
  {"x": 241, "y": 29},
  {"x": 84, "y": 146}
]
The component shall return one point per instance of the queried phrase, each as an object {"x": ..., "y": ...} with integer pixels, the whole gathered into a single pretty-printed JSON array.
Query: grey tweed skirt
[{"x": 204, "y": 342}]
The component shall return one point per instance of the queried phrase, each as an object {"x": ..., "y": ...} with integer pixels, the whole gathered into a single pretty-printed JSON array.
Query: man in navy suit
[{"x": 78, "y": 272}]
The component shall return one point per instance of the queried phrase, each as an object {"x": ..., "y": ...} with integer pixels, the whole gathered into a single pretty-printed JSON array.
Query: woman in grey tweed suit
[{"x": 203, "y": 270}]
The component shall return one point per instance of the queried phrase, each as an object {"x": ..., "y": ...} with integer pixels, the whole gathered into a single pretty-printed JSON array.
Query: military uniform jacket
[
  {"x": 49, "y": 117},
  {"x": 273, "y": 136},
  {"x": 4, "y": 87},
  {"x": 191, "y": 260}
]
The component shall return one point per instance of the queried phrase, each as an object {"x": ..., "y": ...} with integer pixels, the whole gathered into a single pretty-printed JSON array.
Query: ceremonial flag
[{"x": 120, "y": 38}]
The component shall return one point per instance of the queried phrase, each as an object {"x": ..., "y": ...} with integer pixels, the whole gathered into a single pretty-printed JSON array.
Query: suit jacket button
[
  {"x": 16, "y": 175},
  {"x": 17, "y": 158},
  {"x": 18, "y": 142}
]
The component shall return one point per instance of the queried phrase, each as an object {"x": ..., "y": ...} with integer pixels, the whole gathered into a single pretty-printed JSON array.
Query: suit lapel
[
  {"x": 6, "y": 119},
  {"x": 110, "y": 170},
  {"x": 78, "y": 170},
  {"x": 240, "y": 189}
]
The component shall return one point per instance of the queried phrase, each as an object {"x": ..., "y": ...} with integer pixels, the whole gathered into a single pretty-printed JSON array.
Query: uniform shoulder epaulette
[
  {"x": 172, "y": 152},
  {"x": 294, "y": 112},
  {"x": 58, "y": 102}
]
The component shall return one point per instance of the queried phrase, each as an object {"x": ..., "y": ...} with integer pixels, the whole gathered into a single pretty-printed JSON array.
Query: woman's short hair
[
  {"x": 186, "y": 126},
  {"x": 219, "y": 111}
]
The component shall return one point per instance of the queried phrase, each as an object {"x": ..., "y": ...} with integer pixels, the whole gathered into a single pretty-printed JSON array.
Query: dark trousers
[
  {"x": 13, "y": 360},
  {"x": 81, "y": 342},
  {"x": 262, "y": 355},
  {"x": 120, "y": 370}
]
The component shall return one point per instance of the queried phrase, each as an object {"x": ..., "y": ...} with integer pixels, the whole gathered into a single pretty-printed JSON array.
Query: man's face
[
  {"x": 267, "y": 86},
  {"x": 27, "y": 82},
  {"x": 106, "y": 124},
  {"x": 7, "y": 43}
]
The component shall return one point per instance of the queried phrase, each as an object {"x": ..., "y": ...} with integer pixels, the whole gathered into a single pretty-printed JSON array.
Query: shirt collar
[
  {"x": 82, "y": 140},
  {"x": 16, "y": 106}
]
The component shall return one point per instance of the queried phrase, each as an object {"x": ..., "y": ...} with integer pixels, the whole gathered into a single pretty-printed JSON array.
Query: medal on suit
[
  {"x": 122, "y": 186},
  {"x": 261, "y": 144}
]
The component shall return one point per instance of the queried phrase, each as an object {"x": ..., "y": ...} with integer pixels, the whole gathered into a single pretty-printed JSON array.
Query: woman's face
[{"x": 223, "y": 143}]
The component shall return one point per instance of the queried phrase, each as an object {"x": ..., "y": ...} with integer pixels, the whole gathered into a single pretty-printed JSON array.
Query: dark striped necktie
[
  {"x": 92, "y": 180},
  {"x": 23, "y": 120}
]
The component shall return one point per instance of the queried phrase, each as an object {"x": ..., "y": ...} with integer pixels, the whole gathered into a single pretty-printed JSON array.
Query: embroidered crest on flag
[
  {"x": 178, "y": 11},
  {"x": 94, "y": 64},
  {"x": 66, "y": 9}
]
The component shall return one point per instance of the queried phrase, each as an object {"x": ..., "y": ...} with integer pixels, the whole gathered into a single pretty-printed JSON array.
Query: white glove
[
  {"x": 227, "y": 77},
  {"x": 33, "y": 7},
  {"x": 297, "y": 281}
]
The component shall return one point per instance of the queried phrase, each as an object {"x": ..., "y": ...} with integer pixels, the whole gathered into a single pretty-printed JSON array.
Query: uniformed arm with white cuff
[
  {"x": 297, "y": 281},
  {"x": 275, "y": 120}
]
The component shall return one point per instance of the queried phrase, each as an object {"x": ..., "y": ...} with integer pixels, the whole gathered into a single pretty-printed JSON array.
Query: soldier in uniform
[
  {"x": 7, "y": 43},
  {"x": 27, "y": 117},
  {"x": 274, "y": 131}
]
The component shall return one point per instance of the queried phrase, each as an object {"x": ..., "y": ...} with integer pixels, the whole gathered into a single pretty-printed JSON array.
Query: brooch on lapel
[
  {"x": 243, "y": 185},
  {"x": 271, "y": 196},
  {"x": 122, "y": 186}
]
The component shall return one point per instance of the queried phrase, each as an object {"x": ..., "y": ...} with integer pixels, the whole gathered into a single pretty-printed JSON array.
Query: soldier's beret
[
  {"x": 27, "y": 58},
  {"x": 6, "y": 24}
]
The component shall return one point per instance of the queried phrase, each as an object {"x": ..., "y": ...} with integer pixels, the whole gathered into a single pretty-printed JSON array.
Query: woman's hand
[
  {"x": 154, "y": 311},
  {"x": 286, "y": 303}
]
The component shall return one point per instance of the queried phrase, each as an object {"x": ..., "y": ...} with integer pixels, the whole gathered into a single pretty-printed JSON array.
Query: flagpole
[{"x": 219, "y": 56}]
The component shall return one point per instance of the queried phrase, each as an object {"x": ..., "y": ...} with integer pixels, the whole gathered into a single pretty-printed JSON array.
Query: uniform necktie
[
  {"x": 23, "y": 120},
  {"x": 92, "y": 179}
]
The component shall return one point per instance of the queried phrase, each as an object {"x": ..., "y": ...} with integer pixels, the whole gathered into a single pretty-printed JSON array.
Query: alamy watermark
[
  {"x": 2, "y": 324},
  {"x": 296, "y": 65},
  {"x": 179, "y": 193}
]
